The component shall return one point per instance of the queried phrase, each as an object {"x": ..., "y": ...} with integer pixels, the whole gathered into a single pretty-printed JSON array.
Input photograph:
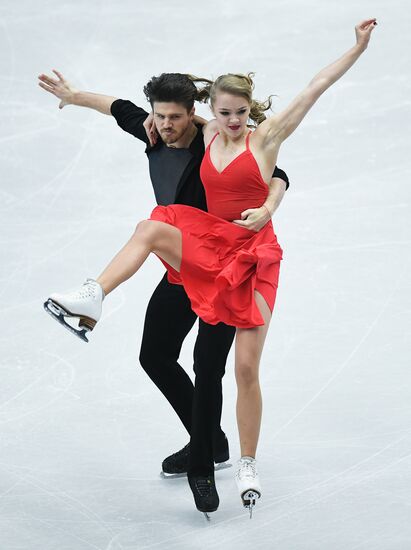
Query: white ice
[{"x": 83, "y": 430}]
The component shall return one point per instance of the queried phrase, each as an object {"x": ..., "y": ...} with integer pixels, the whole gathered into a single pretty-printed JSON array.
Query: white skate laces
[
  {"x": 248, "y": 481},
  {"x": 90, "y": 289},
  {"x": 247, "y": 471}
]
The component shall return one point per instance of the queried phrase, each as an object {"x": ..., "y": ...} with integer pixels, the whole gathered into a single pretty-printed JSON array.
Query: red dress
[{"x": 223, "y": 263}]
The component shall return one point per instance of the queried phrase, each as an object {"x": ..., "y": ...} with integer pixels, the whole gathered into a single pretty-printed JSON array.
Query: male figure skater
[{"x": 174, "y": 163}]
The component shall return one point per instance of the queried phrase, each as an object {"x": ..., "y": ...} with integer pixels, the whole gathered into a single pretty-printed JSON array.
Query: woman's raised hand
[{"x": 363, "y": 32}]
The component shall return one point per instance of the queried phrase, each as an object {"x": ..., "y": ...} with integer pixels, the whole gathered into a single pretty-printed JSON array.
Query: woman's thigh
[
  {"x": 166, "y": 241},
  {"x": 250, "y": 342}
]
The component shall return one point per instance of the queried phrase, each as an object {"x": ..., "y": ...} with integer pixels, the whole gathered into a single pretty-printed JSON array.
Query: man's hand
[
  {"x": 254, "y": 218},
  {"x": 151, "y": 129},
  {"x": 58, "y": 87}
]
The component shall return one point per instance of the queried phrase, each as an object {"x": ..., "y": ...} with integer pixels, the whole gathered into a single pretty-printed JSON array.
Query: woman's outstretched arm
[{"x": 281, "y": 126}]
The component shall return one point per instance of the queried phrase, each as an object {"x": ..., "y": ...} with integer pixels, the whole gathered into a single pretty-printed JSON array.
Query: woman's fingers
[
  {"x": 368, "y": 30},
  {"x": 365, "y": 24},
  {"x": 363, "y": 31}
]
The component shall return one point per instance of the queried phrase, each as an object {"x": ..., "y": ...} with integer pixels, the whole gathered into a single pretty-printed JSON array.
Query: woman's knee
[
  {"x": 146, "y": 230},
  {"x": 246, "y": 373},
  {"x": 144, "y": 227}
]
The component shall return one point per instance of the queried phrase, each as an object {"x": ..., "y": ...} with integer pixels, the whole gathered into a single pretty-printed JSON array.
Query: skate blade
[
  {"x": 221, "y": 466},
  {"x": 249, "y": 499},
  {"x": 58, "y": 313},
  {"x": 207, "y": 516},
  {"x": 164, "y": 475}
]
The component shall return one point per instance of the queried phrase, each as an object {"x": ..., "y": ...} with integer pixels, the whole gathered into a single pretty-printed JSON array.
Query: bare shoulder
[
  {"x": 265, "y": 132},
  {"x": 209, "y": 131}
]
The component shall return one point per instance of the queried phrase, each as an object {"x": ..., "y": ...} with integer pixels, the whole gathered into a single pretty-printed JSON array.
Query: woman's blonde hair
[{"x": 236, "y": 84}]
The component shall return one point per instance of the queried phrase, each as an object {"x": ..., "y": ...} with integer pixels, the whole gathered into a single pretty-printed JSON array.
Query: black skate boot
[
  {"x": 177, "y": 463},
  {"x": 204, "y": 492}
]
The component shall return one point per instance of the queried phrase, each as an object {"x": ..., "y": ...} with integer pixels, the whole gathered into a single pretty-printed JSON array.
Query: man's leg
[
  {"x": 169, "y": 318},
  {"x": 210, "y": 355}
]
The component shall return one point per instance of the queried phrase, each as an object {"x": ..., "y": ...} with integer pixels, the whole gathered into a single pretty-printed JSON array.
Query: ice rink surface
[{"x": 83, "y": 430}]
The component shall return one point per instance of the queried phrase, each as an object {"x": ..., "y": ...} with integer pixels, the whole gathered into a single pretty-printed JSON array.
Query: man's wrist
[
  {"x": 267, "y": 209},
  {"x": 75, "y": 98}
]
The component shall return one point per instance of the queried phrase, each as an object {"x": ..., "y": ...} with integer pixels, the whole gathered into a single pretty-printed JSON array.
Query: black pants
[{"x": 169, "y": 318}]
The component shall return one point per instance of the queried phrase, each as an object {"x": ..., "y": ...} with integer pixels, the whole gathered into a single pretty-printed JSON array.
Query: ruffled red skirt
[{"x": 222, "y": 265}]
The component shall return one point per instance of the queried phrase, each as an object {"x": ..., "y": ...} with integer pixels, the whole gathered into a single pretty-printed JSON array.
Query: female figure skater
[{"x": 230, "y": 273}]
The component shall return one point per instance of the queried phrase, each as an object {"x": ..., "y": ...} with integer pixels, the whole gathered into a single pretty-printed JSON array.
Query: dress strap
[
  {"x": 247, "y": 141},
  {"x": 214, "y": 136}
]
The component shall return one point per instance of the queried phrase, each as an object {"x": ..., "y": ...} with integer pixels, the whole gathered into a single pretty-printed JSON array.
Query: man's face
[{"x": 172, "y": 120}]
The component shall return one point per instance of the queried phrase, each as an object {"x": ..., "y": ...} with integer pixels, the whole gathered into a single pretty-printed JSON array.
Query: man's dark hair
[{"x": 171, "y": 87}]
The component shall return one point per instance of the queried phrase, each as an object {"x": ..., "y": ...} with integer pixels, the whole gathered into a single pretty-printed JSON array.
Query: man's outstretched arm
[
  {"x": 129, "y": 117},
  {"x": 69, "y": 95}
]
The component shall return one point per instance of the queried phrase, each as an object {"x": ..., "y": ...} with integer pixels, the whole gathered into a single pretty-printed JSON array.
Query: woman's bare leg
[
  {"x": 150, "y": 236},
  {"x": 248, "y": 348}
]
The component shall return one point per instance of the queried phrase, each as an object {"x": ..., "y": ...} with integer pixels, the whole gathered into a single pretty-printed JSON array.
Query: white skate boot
[
  {"x": 248, "y": 482},
  {"x": 84, "y": 304}
]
